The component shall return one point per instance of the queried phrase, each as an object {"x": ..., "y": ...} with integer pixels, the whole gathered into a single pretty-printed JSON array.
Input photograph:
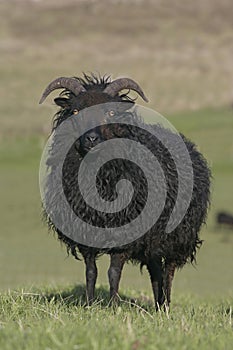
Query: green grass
[{"x": 44, "y": 319}]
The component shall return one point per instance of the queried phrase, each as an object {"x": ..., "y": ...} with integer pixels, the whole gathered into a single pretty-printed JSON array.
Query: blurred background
[{"x": 181, "y": 54}]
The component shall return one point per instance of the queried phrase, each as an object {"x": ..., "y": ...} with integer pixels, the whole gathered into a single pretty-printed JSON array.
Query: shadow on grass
[{"x": 77, "y": 296}]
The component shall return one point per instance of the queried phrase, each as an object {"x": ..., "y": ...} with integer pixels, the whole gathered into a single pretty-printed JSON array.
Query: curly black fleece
[{"x": 180, "y": 245}]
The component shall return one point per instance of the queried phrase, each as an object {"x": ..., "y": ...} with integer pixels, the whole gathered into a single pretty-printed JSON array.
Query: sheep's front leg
[
  {"x": 114, "y": 274},
  {"x": 155, "y": 269},
  {"x": 91, "y": 276}
]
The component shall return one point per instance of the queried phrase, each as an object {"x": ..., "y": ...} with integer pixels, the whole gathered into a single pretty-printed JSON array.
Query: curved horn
[
  {"x": 68, "y": 83},
  {"x": 124, "y": 83}
]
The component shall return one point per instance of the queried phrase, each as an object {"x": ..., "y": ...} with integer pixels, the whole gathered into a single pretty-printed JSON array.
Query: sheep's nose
[{"x": 92, "y": 137}]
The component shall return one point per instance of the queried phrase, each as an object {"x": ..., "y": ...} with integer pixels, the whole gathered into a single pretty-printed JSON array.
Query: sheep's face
[
  {"x": 82, "y": 93},
  {"x": 105, "y": 115}
]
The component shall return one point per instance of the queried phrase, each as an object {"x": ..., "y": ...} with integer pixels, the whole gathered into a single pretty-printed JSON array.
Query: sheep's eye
[
  {"x": 75, "y": 111},
  {"x": 111, "y": 113}
]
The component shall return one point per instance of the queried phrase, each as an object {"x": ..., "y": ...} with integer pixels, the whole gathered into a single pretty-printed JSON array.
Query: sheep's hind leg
[
  {"x": 114, "y": 274},
  {"x": 91, "y": 276},
  {"x": 155, "y": 270},
  {"x": 169, "y": 275}
]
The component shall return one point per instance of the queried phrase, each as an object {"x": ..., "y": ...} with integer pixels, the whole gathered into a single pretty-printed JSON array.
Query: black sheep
[
  {"x": 160, "y": 251},
  {"x": 224, "y": 219}
]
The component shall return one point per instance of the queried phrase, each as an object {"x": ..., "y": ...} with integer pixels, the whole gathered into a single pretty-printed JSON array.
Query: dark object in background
[
  {"x": 224, "y": 219},
  {"x": 161, "y": 252}
]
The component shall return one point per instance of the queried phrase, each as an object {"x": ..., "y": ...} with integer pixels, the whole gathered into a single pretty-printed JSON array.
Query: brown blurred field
[{"x": 181, "y": 53}]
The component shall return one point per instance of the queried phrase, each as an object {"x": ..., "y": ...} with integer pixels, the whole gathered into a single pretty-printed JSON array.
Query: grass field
[
  {"x": 182, "y": 57},
  {"x": 38, "y": 317},
  {"x": 32, "y": 320}
]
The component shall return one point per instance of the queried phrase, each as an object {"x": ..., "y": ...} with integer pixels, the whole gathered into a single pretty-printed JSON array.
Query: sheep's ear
[{"x": 62, "y": 102}]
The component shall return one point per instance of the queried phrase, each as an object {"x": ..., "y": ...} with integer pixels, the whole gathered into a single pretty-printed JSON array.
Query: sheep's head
[{"x": 81, "y": 93}]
